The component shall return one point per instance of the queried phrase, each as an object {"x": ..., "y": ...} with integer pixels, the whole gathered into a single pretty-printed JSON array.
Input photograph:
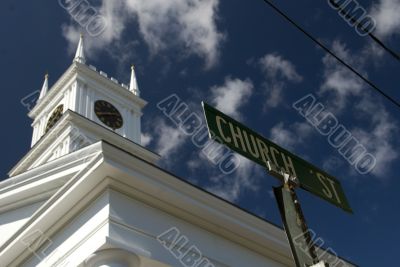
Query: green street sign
[{"x": 255, "y": 147}]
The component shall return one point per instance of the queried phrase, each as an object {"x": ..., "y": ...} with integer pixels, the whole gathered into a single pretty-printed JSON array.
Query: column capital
[{"x": 114, "y": 257}]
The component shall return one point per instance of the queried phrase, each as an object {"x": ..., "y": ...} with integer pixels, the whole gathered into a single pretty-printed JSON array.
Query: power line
[
  {"x": 373, "y": 37},
  {"x": 326, "y": 49},
  {"x": 390, "y": 51}
]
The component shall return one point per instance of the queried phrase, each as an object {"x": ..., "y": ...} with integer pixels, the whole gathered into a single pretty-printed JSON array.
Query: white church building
[{"x": 88, "y": 194}]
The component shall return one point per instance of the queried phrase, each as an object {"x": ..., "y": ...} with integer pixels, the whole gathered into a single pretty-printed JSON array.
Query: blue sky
[{"x": 243, "y": 58}]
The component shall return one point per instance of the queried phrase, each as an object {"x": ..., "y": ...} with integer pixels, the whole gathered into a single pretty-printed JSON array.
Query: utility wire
[
  {"x": 326, "y": 49},
  {"x": 376, "y": 39},
  {"x": 390, "y": 51}
]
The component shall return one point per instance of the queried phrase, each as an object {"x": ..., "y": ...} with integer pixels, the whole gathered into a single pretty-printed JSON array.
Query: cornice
[{"x": 71, "y": 118}]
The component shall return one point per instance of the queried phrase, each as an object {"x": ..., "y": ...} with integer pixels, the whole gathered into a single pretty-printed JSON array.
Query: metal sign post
[{"x": 300, "y": 240}]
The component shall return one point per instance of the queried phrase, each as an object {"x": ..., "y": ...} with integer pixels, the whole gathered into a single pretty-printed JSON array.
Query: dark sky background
[{"x": 245, "y": 59}]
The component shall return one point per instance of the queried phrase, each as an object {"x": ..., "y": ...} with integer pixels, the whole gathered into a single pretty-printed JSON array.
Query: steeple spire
[
  {"x": 133, "y": 87},
  {"x": 45, "y": 87},
  {"x": 80, "y": 53}
]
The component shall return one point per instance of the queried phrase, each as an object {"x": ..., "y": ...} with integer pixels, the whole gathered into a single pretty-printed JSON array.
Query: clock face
[
  {"x": 55, "y": 116},
  {"x": 108, "y": 114}
]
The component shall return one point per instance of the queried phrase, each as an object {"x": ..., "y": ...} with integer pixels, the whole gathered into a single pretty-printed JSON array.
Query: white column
[
  {"x": 92, "y": 97},
  {"x": 88, "y": 104},
  {"x": 72, "y": 96},
  {"x": 42, "y": 127},
  {"x": 137, "y": 126},
  {"x": 66, "y": 99},
  {"x": 35, "y": 134},
  {"x": 127, "y": 123}
]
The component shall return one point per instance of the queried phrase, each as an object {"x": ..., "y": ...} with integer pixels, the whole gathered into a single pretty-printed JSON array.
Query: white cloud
[
  {"x": 232, "y": 95},
  {"x": 292, "y": 135},
  {"x": 230, "y": 187},
  {"x": 113, "y": 14},
  {"x": 338, "y": 80},
  {"x": 386, "y": 13},
  {"x": 274, "y": 94},
  {"x": 169, "y": 139},
  {"x": 278, "y": 72},
  {"x": 282, "y": 136},
  {"x": 276, "y": 67},
  {"x": 380, "y": 137},
  {"x": 187, "y": 25},
  {"x": 194, "y": 164},
  {"x": 146, "y": 139},
  {"x": 378, "y": 130},
  {"x": 333, "y": 163}
]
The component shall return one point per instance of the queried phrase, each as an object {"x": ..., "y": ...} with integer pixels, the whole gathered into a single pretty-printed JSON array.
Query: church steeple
[
  {"x": 80, "y": 53},
  {"x": 133, "y": 87},
  {"x": 45, "y": 86},
  {"x": 83, "y": 98}
]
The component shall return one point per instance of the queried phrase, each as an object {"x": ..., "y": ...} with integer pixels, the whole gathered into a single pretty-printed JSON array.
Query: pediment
[{"x": 23, "y": 195}]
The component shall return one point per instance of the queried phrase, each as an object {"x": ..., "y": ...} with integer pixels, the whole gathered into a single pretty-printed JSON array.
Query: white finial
[
  {"x": 80, "y": 53},
  {"x": 45, "y": 87},
  {"x": 133, "y": 87}
]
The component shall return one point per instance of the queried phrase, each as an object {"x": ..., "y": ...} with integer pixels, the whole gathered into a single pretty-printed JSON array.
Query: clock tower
[{"x": 83, "y": 97}]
